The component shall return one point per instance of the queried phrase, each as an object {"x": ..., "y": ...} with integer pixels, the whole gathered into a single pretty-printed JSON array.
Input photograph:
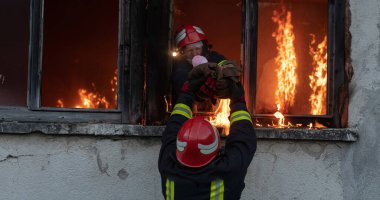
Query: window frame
[
  {"x": 336, "y": 62},
  {"x": 130, "y": 85}
]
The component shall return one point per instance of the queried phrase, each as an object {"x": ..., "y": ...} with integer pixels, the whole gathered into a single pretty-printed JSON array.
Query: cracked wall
[{"x": 38, "y": 166}]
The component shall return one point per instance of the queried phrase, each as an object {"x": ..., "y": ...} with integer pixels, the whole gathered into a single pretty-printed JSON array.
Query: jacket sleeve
[
  {"x": 180, "y": 114},
  {"x": 241, "y": 142}
]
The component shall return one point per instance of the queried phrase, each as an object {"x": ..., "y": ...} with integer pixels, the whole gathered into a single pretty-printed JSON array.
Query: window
[
  {"x": 76, "y": 65},
  {"x": 294, "y": 58},
  {"x": 80, "y": 52}
]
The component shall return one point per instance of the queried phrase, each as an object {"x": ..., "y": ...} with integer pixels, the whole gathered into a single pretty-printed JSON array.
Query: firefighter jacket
[{"x": 223, "y": 178}]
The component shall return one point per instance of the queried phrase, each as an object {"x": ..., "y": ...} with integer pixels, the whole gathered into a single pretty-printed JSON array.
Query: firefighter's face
[{"x": 190, "y": 51}]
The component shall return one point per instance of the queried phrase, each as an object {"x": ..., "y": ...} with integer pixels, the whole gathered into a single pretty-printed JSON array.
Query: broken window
[{"x": 14, "y": 44}]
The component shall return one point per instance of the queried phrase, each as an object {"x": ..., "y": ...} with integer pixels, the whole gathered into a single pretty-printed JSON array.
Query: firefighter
[
  {"x": 190, "y": 41},
  {"x": 192, "y": 163}
]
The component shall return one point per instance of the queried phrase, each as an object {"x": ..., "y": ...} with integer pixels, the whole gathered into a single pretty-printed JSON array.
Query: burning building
[{"x": 74, "y": 70}]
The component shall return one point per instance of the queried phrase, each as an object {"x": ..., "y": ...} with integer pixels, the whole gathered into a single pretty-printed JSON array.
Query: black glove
[
  {"x": 193, "y": 85},
  {"x": 236, "y": 92},
  {"x": 208, "y": 89}
]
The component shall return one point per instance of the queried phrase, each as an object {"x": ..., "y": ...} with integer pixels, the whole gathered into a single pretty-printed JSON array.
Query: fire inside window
[
  {"x": 291, "y": 60},
  {"x": 294, "y": 74},
  {"x": 79, "y": 62},
  {"x": 291, "y": 57}
]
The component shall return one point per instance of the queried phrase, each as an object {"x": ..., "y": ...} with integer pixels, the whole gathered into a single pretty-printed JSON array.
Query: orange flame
[
  {"x": 318, "y": 78},
  {"x": 60, "y": 103},
  {"x": 286, "y": 59},
  {"x": 280, "y": 117},
  {"x": 221, "y": 117},
  {"x": 93, "y": 99},
  {"x": 114, "y": 86}
]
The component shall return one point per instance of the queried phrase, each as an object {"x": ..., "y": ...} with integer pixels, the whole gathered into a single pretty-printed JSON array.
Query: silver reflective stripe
[
  {"x": 208, "y": 149},
  {"x": 180, "y": 36},
  {"x": 181, "y": 145},
  {"x": 217, "y": 189},
  {"x": 199, "y": 30}
]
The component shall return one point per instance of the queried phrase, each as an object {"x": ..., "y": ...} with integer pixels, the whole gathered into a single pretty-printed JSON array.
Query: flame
[
  {"x": 310, "y": 125},
  {"x": 318, "y": 78},
  {"x": 114, "y": 86},
  {"x": 286, "y": 59},
  {"x": 93, "y": 99},
  {"x": 280, "y": 116},
  {"x": 221, "y": 117},
  {"x": 60, "y": 103},
  {"x": 319, "y": 125}
]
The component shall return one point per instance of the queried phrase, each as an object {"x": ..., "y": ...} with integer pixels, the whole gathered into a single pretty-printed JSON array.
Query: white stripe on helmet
[
  {"x": 208, "y": 149},
  {"x": 181, "y": 145},
  {"x": 180, "y": 36},
  {"x": 199, "y": 30}
]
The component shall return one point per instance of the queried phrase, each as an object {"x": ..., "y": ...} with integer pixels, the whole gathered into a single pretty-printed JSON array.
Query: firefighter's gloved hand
[
  {"x": 236, "y": 92},
  {"x": 208, "y": 89},
  {"x": 193, "y": 85}
]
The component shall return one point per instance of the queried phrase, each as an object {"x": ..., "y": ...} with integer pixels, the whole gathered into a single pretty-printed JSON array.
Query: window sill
[{"x": 106, "y": 129}]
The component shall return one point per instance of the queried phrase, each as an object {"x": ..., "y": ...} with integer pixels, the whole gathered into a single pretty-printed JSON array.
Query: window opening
[
  {"x": 295, "y": 62},
  {"x": 80, "y": 53},
  {"x": 292, "y": 59}
]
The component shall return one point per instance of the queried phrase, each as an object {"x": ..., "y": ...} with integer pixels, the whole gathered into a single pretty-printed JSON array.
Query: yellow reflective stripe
[
  {"x": 239, "y": 112},
  {"x": 182, "y": 109},
  {"x": 222, "y": 62},
  {"x": 240, "y": 115},
  {"x": 172, "y": 190},
  {"x": 212, "y": 192},
  {"x": 169, "y": 190},
  {"x": 217, "y": 190}
]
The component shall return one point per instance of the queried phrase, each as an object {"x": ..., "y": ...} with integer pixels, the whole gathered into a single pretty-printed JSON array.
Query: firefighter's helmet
[
  {"x": 188, "y": 34},
  {"x": 198, "y": 143}
]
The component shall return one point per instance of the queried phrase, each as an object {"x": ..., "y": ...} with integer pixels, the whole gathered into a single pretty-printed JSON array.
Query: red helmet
[
  {"x": 188, "y": 34},
  {"x": 198, "y": 142}
]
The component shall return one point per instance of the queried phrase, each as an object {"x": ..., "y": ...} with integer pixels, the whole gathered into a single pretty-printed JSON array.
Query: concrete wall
[
  {"x": 36, "y": 167},
  {"x": 361, "y": 172}
]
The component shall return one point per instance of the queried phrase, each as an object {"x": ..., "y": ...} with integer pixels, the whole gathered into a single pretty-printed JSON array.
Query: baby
[{"x": 197, "y": 60}]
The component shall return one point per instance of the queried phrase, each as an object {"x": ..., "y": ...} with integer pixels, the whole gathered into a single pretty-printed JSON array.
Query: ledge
[{"x": 103, "y": 129}]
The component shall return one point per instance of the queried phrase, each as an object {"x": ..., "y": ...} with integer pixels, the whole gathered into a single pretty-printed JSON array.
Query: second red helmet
[{"x": 198, "y": 142}]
